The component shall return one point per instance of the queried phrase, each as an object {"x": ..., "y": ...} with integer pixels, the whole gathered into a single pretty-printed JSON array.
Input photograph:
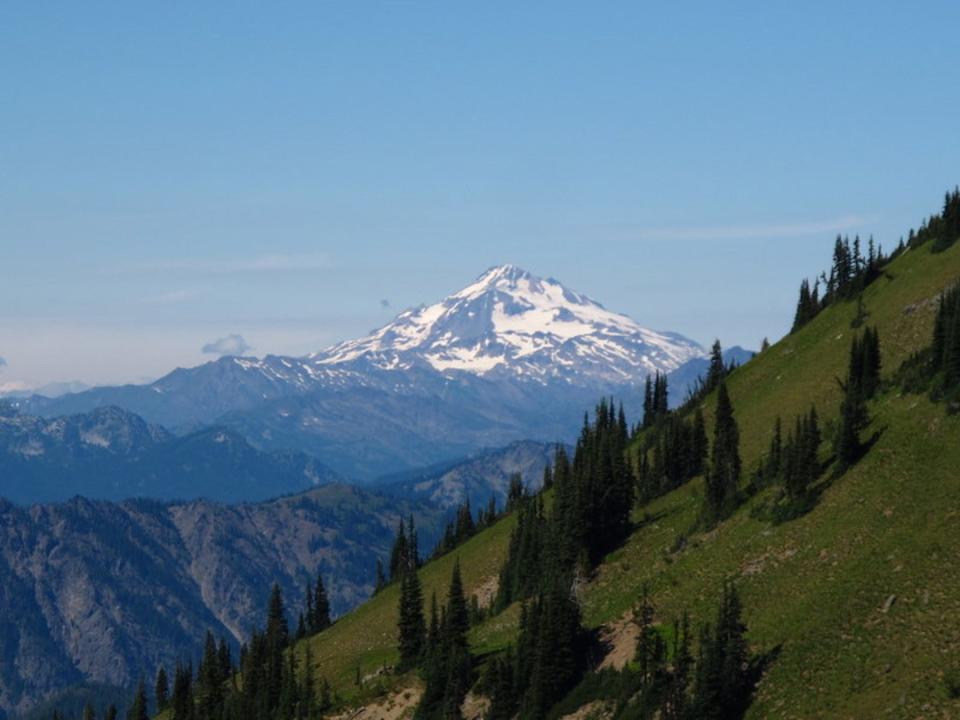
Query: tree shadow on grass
[{"x": 783, "y": 508}]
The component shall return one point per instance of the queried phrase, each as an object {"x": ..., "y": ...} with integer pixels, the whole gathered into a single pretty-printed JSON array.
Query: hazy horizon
[{"x": 172, "y": 176}]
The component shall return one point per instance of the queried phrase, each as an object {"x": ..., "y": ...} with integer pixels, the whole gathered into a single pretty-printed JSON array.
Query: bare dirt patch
[
  {"x": 395, "y": 706},
  {"x": 620, "y": 637},
  {"x": 595, "y": 710}
]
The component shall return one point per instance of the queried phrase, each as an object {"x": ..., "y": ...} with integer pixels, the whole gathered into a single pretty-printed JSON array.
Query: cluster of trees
[
  {"x": 90, "y": 714},
  {"x": 463, "y": 526},
  {"x": 548, "y": 551},
  {"x": 672, "y": 452},
  {"x": 942, "y": 229},
  {"x": 850, "y": 273},
  {"x": 722, "y": 487},
  {"x": 793, "y": 461},
  {"x": 593, "y": 497},
  {"x": 861, "y": 384},
  {"x": 675, "y": 684},
  {"x": 945, "y": 350},
  {"x": 439, "y": 650},
  {"x": 717, "y": 372},
  {"x": 274, "y": 683},
  {"x": 937, "y": 368},
  {"x": 668, "y": 679},
  {"x": 447, "y": 664},
  {"x": 316, "y": 615},
  {"x": 655, "y": 403},
  {"x": 549, "y": 657},
  {"x": 404, "y": 555}
]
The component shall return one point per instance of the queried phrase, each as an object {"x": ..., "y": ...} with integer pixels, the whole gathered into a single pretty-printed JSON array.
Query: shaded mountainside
[
  {"x": 113, "y": 454},
  {"x": 508, "y": 358},
  {"x": 99, "y": 592},
  {"x": 476, "y": 479},
  {"x": 858, "y": 599}
]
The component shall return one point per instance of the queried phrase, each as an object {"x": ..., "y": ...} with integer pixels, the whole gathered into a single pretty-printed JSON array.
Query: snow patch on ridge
[{"x": 511, "y": 323}]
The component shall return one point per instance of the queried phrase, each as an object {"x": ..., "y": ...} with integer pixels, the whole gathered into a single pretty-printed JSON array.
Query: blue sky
[{"x": 172, "y": 174}]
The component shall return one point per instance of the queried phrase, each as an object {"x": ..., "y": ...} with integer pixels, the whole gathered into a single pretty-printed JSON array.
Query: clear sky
[{"x": 175, "y": 173}]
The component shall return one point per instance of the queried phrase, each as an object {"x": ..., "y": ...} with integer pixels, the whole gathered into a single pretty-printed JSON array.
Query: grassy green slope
[
  {"x": 367, "y": 636},
  {"x": 814, "y": 586}
]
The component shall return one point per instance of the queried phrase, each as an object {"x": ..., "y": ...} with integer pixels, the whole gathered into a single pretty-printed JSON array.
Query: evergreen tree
[
  {"x": 448, "y": 664},
  {"x": 276, "y": 640},
  {"x": 721, "y": 688},
  {"x": 863, "y": 380},
  {"x": 807, "y": 306},
  {"x": 310, "y": 612},
  {"x": 111, "y": 713},
  {"x": 277, "y": 628},
  {"x": 723, "y": 478},
  {"x": 161, "y": 689},
  {"x": 717, "y": 370},
  {"x": 138, "y": 710},
  {"x": 225, "y": 660},
  {"x": 209, "y": 687},
  {"x": 411, "y": 628},
  {"x": 503, "y": 694},
  {"x": 650, "y": 654},
  {"x": 88, "y": 713},
  {"x": 182, "y": 700},
  {"x": 321, "y": 618},
  {"x": 945, "y": 350},
  {"x": 516, "y": 492},
  {"x": 398, "y": 554},
  {"x": 458, "y": 618},
  {"x": 675, "y": 695},
  {"x": 413, "y": 545},
  {"x": 380, "y": 581}
]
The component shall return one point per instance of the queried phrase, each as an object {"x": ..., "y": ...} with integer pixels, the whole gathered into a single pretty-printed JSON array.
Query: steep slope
[
  {"x": 861, "y": 595},
  {"x": 477, "y": 479},
  {"x": 112, "y": 454},
  {"x": 99, "y": 592},
  {"x": 510, "y": 357}
]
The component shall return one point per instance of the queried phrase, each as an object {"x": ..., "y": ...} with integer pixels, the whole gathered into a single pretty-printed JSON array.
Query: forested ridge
[{"x": 594, "y": 500}]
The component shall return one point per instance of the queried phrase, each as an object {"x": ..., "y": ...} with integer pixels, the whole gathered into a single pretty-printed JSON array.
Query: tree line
[{"x": 936, "y": 369}]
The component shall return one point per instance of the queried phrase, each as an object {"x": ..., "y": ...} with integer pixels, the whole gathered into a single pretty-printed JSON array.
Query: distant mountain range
[
  {"x": 98, "y": 592},
  {"x": 110, "y": 453},
  {"x": 510, "y": 357}
]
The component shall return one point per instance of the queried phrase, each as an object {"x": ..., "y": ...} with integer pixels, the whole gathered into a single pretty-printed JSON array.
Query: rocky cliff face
[{"x": 92, "y": 591}]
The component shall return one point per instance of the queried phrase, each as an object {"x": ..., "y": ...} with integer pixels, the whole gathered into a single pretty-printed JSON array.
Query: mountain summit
[
  {"x": 510, "y": 322},
  {"x": 509, "y": 357}
]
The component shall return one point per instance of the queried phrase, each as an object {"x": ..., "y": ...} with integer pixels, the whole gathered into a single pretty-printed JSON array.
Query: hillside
[
  {"x": 100, "y": 592},
  {"x": 860, "y": 595},
  {"x": 477, "y": 478}
]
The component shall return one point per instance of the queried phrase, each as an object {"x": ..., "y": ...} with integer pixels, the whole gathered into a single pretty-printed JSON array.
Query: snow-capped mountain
[
  {"x": 511, "y": 323},
  {"x": 509, "y": 357}
]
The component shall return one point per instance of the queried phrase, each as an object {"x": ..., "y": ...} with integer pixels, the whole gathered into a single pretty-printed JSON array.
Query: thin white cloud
[
  {"x": 230, "y": 345},
  {"x": 258, "y": 264},
  {"x": 753, "y": 231},
  {"x": 174, "y": 296}
]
